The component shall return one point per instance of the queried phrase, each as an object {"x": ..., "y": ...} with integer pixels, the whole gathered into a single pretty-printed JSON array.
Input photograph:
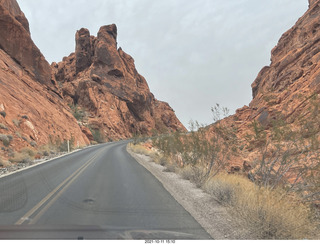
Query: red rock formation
[
  {"x": 32, "y": 113},
  {"x": 283, "y": 89},
  {"x": 97, "y": 78},
  {"x": 103, "y": 80},
  {"x": 16, "y": 41}
]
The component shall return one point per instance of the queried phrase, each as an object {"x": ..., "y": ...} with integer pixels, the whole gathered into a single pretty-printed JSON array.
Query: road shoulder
[{"x": 212, "y": 216}]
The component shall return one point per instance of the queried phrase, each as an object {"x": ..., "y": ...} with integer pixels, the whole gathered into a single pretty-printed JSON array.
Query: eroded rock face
[
  {"x": 311, "y": 2},
  {"x": 32, "y": 111},
  {"x": 103, "y": 80},
  {"x": 293, "y": 75},
  {"x": 283, "y": 90},
  {"x": 31, "y": 114},
  {"x": 15, "y": 40}
]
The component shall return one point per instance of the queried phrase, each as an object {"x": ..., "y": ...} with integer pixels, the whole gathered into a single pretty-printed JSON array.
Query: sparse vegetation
[
  {"x": 63, "y": 147},
  {"x": 4, "y": 163},
  {"x": 97, "y": 136},
  {"x": 33, "y": 143},
  {"x": 16, "y": 122},
  {"x": 277, "y": 199},
  {"x": 2, "y": 126},
  {"x": 5, "y": 140},
  {"x": 21, "y": 157},
  {"x": 269, "y": 214},
  {"x": 198, "y": 149},
  {"x": 3, "y": 114},
  {"x": 78, "y": 113}
]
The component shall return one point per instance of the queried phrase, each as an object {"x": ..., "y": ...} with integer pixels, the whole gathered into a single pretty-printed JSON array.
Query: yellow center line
[
  {"x": 71, "y": 178},
  {"x": 46, "y": 207}
]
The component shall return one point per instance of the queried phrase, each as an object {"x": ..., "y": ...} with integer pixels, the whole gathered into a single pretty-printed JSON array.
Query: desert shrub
[
  {"x": 16, "y": 122},
  {"x": 33, "y": 143},
  {"x": 223, "y": 191},
  {"x": 161, "y": 160},
  {"x": 171, "y": 167},
  {"x": 78, "y": 113},
  {"x": 2, "y": 126},
  {"x": 268, "y": 214},
  {"x": 3, "y": 114},
  {"x": 20, "y": 157},
  {"x": 24, "y": 138},
  {"x": 28, "y": 151},
  {"x": 97, "y": 136},
  {"x": 139, "y": 149},
  {"x": 194, "y": 173},
  {"x": 4, "y": 163},
  {"x": 196, "y": 148},
  {"x": 5, "y": 140},
  {"x": 288, "y": 156},
  {"x": 63, "y": 147}
]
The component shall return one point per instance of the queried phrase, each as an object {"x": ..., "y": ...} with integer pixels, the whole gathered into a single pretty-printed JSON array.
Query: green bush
[
  {"x": 79, "y": 114},
  {"x": 63, "y": 147},
  {"x": 97, "y": 136}
]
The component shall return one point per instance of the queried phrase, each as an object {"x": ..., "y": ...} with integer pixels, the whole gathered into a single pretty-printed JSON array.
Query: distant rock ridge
[{"x": 102, "y": 79}]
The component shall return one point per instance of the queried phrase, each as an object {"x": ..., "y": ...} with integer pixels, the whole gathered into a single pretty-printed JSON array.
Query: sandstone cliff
[
  {"x": 284, "y": 87},
  {"x": 287, "y": 89},
  {"x": 102, "y": 80},
  {"x": 94, "y": 94},
  {"x": 32, "y": 111},
  {"x": 16, "y": 41}
]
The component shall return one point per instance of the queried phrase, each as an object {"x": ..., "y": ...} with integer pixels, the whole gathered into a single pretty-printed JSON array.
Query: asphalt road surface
[{"x": 100, "y": 192}]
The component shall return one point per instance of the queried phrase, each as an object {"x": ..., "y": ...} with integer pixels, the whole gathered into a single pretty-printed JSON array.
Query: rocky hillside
[
  {"x": 95, "y": 93},
  {"x": 101, "y": 80},
  {"x": 32, "y": 111},
  {"x": 290, "y": 85}
]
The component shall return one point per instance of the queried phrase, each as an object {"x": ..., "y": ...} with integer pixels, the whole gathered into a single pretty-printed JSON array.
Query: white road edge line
[{"x": 46, "y": 161}]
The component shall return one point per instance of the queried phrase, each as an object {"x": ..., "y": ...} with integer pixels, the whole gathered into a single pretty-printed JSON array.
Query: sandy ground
[{"x": 212, "y": 216}]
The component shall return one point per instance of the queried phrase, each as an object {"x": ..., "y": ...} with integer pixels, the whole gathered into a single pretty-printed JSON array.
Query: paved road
[{"x": 98, "y": 192}]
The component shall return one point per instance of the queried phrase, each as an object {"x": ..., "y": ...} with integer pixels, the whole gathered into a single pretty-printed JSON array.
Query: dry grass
[
  {"x": 28, "y": 151},
  {"x": 4, "y": 163},
  {"x": 140, "y": 149},
  {"x": 24, "y": 156},
  {"x": 268, "y": 214},
  {"x": 193, "y": 173},
  {"x": 170, "y": 167}
]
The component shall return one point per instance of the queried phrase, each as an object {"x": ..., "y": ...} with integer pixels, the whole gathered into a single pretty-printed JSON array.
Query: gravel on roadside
[{"x": 211, "y": 215}]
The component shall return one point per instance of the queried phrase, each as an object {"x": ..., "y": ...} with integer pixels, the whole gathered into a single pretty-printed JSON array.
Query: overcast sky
[{"x": 193, "y": 54}]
